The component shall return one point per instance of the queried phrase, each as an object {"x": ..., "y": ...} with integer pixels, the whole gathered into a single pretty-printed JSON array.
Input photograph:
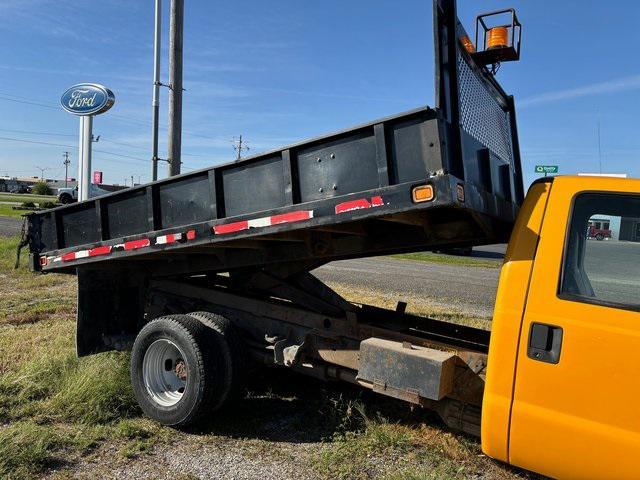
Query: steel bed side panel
[{"x": 399, "y": 149}]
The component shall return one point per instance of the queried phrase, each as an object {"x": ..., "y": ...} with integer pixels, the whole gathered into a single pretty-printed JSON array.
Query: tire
[
  {"x": 65, "y": 198},
  {"x": 178, "y": 370},
  {"x": 599, "y": 237},
  {"x": 233, "y": 350}
]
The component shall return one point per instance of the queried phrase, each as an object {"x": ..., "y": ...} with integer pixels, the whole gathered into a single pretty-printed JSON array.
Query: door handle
[{"x": 545, "y": 342}]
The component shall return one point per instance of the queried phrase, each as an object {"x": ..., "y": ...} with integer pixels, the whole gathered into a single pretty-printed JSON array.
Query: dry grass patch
[
  {"x": 420, "y": 307},
  {"x": 431, "y": 257}
]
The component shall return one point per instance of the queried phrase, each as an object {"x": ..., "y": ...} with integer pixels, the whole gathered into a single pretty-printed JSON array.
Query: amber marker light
[
  {"x": 423, "y": 193},
  {"x": 467, "y": 44},
  {"x": 497, "y": 37}
]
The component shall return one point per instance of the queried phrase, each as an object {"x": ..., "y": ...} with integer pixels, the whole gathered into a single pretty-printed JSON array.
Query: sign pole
[{"x": 84, "y": 155}]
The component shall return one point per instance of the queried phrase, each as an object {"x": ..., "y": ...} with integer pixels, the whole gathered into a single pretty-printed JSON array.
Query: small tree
[{"x": 41, "y": 188}]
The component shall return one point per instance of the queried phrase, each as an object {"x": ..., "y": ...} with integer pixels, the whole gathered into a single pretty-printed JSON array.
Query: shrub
[
  {"x": 41, "y": 188},
  {"x": 47, "y": 205},
  {"x": 28, "y": 205}
]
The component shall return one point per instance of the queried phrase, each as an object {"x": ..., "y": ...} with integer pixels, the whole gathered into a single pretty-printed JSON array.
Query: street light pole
[{"x": 66, "y": 167}]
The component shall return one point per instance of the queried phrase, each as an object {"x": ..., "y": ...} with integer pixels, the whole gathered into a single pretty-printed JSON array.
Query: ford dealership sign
[{"x": 87, "y": 99}]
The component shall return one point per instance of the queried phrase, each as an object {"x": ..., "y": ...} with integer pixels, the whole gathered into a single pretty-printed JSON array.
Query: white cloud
[{"x": 610, "y": 86}]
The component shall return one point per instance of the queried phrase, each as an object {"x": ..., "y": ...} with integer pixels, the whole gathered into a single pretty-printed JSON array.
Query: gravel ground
[
  {"x": 10, "y": 226},
  {"x": 220, "y": 458}
]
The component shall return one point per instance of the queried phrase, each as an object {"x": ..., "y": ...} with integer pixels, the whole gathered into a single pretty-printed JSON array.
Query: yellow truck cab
[{"x": 562, "y": 375}]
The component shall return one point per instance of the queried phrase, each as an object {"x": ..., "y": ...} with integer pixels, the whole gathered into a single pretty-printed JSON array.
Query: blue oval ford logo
[{"x": 87, "y": 99}]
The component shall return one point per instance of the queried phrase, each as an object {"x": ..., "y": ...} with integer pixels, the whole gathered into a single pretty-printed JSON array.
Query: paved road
[
  {"x": 470, "y": 289},
  {"x": 10, "y": 226},
  {"x": 495, "y": 251},
  {"x": 612, "y": 268}
]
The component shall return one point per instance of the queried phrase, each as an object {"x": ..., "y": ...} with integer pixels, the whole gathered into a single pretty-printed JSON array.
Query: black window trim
[{"x": 581, "y": 298}]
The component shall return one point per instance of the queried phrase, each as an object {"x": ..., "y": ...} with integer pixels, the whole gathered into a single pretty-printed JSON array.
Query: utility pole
[
  {"x": 239, "y": 147},
  {"x": 155, "y": 103},
  {"x": 66, "y": 167},
  {"x": 175, "y": 86},
  {"x": 132, "y": 184}
]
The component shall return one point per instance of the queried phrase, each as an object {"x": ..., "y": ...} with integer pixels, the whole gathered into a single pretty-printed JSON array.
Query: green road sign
[{"x": 546, "y": 169}]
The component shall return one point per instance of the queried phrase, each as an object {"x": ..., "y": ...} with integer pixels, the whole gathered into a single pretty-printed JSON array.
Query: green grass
[
  {"x": 7, "y": 211},
  {"x": 26, "y": 197},
  {"x": 53, "y": 405},
  {"x": 26, "y": 448},
  {"x": 430, "y": 257}
]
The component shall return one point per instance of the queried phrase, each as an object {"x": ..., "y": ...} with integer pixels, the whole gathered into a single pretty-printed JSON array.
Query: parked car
[{"x": 70, "y": 195}]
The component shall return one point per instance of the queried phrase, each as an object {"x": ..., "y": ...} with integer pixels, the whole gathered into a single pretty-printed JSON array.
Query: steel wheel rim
[{"x": 164, "y": 372}]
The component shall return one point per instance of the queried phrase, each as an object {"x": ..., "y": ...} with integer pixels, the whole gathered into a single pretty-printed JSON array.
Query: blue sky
[{"x": 283, "y": 70}]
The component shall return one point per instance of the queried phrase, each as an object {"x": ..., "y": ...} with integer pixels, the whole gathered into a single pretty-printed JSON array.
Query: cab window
[{"x": 602, "y": 254}]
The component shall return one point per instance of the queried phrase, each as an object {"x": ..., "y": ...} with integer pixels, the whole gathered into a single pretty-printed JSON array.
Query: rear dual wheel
[{"x": 183, "y": 366}]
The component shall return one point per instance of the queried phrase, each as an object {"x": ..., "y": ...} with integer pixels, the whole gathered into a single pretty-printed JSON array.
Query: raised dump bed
[
  {"x": 229, "y": 249},
  {"x": 429, "y": 178}
]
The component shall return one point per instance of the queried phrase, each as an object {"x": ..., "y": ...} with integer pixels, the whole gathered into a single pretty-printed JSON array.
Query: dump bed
[{"x": 347, "y": 194}]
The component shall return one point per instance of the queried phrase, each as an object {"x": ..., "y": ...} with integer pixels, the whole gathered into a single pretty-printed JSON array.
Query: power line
[
  {"x": 35, "y": 141},
  {"x": 71, "y": 146},
  {"x": 27, "y": 102},
  {"x": 13, "y": 98},
  {"x": 123, "y": 144},
  {"x": 38, "y": 133}
]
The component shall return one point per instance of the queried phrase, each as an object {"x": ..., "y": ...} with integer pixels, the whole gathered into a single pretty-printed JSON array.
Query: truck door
[{"x": 576, "y": 410}]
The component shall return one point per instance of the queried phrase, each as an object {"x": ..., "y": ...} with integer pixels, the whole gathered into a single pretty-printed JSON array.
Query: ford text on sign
[{"x": 87, "y": 99}]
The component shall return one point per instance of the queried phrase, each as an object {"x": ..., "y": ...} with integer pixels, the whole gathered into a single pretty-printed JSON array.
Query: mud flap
[{"x": 110, "y": 309}]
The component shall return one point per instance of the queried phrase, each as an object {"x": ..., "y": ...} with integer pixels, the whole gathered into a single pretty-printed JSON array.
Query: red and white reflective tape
[
  {"x": 167, "y": 239},
  {"x": 359, "y": 204},
  {"x": 126, "y": 246},
  {"x": 175, "y": 237},
  {"x": 291, "y": 217},
  {"x": 93, "y": 252},
  {"x": 222, "y": 229}
]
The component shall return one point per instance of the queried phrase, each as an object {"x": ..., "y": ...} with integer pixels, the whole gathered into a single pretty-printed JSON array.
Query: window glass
[{"x": 602, "y": 256}]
